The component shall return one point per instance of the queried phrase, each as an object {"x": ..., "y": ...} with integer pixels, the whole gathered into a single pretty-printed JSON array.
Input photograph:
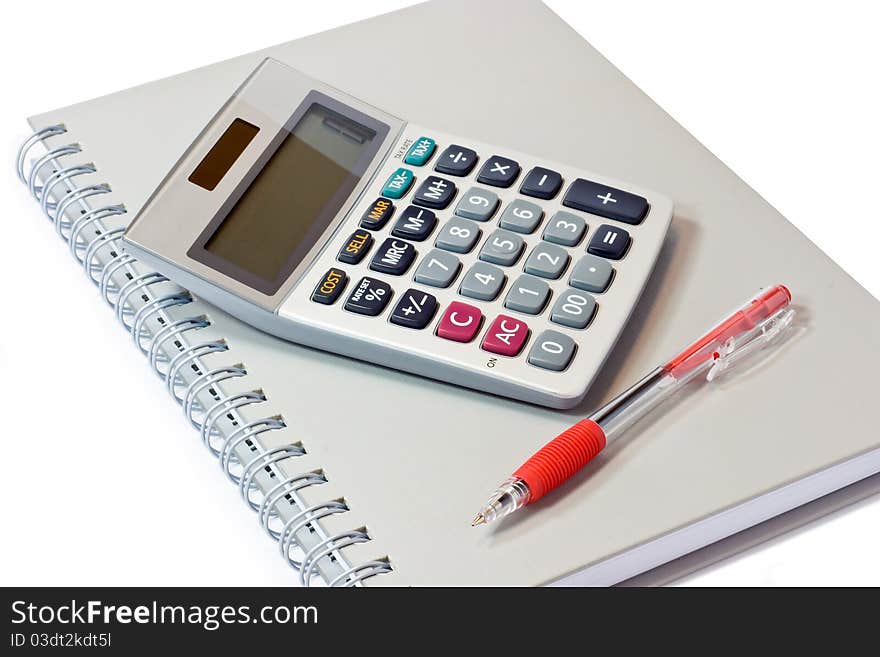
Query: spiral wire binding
[{"x": 142, "y": 300}]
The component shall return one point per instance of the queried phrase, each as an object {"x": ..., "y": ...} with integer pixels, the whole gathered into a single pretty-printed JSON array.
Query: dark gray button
[
  {"x": 438, "y": 269},
  {"x": 606, "y": 201},
  {"x": 414, "y": 310},
  {"x": 458, "y": 235},
  {"x": 482, "y": 281},
  {"x": 499, "y": 172},
  {"x": 369, "y": 297},
  {"x": 331, "y": 286},
  {"x": 541, "y": 183},
  {"x": 502, "y": 248},
  {"x": 521, "y": 216},
  {"x": 574, "y": 309},
  {"x": 609, "y": 242},
  {"x": 393, "y": 257},
  {"x": 456, "y": 161},
  {"x": 355, "y": 247},
  {"x": 552, "y": 351},
  {"x": 415, "y": 224},
  {"x": 565, "y": 228},
  {"x": 547, "y": 261},
  {"x": 434, "y": 192},
  {"x": 477, "y": 204},
  {"x": 591, "y": 273},
  {"x": 377, "y": 214},
  {"x": 527, "y": 295}
]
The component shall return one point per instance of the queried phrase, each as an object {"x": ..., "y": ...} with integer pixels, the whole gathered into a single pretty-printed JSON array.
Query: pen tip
[{"x": 479, "y": 519}]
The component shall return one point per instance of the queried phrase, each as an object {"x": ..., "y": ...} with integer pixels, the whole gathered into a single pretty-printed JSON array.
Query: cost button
[{"x": 330, "y": 287}]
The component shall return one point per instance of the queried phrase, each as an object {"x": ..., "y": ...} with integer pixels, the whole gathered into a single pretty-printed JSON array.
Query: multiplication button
[
  {"x": 369, "y": 297},
  {"x": 499, "y": 172},
  {"x": 415, "y": 309},
  {"x": 332, "y": 284}
]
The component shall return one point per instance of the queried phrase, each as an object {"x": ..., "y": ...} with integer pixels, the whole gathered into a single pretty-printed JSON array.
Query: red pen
[{"x": 745, "y": 331}]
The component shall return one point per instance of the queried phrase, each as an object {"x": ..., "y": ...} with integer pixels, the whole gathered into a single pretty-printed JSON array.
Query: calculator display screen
[{"x": 294, "y": 197}]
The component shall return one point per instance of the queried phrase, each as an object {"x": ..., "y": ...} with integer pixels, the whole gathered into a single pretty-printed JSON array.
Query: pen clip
[{"x": 739, "y": 347}]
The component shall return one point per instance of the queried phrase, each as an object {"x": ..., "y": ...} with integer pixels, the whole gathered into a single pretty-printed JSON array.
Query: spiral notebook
[{"x": 365, "y": 475}]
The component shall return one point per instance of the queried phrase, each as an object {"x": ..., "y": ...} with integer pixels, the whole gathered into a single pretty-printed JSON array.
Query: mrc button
[
  {"x": 355, "y": 247},
  {"x": 377, "y": 214},
  {"x": 393, "y": 257},
  {"x": 330, "y": 287}
]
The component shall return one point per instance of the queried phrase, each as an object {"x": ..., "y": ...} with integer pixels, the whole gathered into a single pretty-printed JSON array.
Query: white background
[{"x": 104, "y": 484}]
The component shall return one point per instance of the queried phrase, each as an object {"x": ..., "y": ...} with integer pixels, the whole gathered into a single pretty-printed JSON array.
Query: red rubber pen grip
[{"x": 561, "y": 458}]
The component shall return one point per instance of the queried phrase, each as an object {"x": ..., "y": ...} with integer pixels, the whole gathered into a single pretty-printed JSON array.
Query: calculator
[{"x": 321, "y": 219}]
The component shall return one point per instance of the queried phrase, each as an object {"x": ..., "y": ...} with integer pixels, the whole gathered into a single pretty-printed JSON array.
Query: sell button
[{"x": 399, "y": 183}]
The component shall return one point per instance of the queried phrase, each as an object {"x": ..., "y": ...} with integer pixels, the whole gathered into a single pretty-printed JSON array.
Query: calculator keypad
[
  {"x": 528, "y": 295},
  {"x": 356, "y": 247},
  {"x": 369, "y": 297},
  {"x": 506, "y": 336},
  {"x": 591, "y": 273},
  {"x": 502, "y": 248},
  {"x": 552, "y": 351},
  {"x": 574, "y": 309},
  {"x": 609, "y": 242},
  {"x": 565, "y": 229},
  {"x": 460, "y": 322}
]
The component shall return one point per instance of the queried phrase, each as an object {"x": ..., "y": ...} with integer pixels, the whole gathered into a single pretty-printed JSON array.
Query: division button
[
  {"x": 482, "y": 281},
  {"x": 356, "y": 247},
  {"x": 369, "y": 297},
  {"x": 377, "y": 214},
  {"x": 552, "y": 351},
  {"x": 456, "y": 161},
  {"x": 420, "y": 152},
  {"x": 609, "y": 242},
  {"x": 415, "y": 309},
  {"x": 592, "y": 274},
  {"x": 527, "y": 295},
  {"x": 332, "y": 284},
  {"x": 506, "y": 336},
  {"x": 460, "y": 322},
  {"x": 477, "y": 204},
  {"x": 438, "y": 269},
  {"x": 565, "y": 228},
  {"x": 541, "y": 183},
  {"x": 606, "y": 201},
  {"x": 393, "y": 257},
  {"x": 502, "y": 248},
  {"x": 499, "y": 171},
  {"x": 547, "y": 261},
  {"x": 574, "y": 309},
  {"x": 458, "y": 235},
  {"x": 521, "y": 216},
  {"x": 415, "y": 224},
  {"x": 434, "y": 192}
]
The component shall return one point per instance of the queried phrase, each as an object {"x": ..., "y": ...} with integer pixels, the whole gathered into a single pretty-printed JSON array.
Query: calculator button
[
  {"x": 332, "y": 284},
  {"x": 438, "y": 269},
  {"x": 506, "y": 336},
  {"x": 565, "y": 228},
  {"x": 414, "y": 310},
  {"x": 434, "y": 192},
  {"x": 606, "y": 201},
  {"x": 552, "y": 351},
  {"x": 574, "y": 309},
  {"x": 477, "y": 204},
  {"x": 420, "y": 152},
  {"x": 377, "y": 214},
  {"x": 482, "y": 281},
  {"x": 415, "y": 224},
  {"x": 458, "y": 235},
  {"x": 521, "y": 216},
  {"x": 609, "y": 242},
  {"x": 456, "y": 161},
  {"x": 527, "y": 295},
  {"x": 355, "y": 247},
  {"x": 369, "y": 297},
  {"x": 398, "y": 183},
  {"x": 393, "y": 257},
  {"x": 591, "y": 273},
  {"x": 460, "y": 322},
  {"x": 541, "y": 183},
  {"x": 547, "y": 261},
  {"x": 502, "y": 248},
  {"x": 498, "y": 171}
]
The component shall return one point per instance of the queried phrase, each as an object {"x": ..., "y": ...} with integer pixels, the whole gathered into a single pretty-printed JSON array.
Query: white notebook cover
[{"x": 412, "y": 458}]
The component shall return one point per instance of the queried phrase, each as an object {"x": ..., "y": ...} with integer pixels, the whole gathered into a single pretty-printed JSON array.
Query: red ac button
[{"x": 506, "y": 336}]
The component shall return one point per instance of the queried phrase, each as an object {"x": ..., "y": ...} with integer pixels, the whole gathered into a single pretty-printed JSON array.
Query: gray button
[
  {"x": 574, "y": 309},
  {"x": 438, "y": 269},
  {"x": 458, "y": 235},
  {"x": 527, "y": 295},
  {"x": 477, "y": 204},
  {"x": 482, "y": 281},
  {"x": 521, "y": 216},
  {"x": 591, "y": 273},
  {"x": 565, "y": 228},
  {"x": 502, "y": 247},
  {"x": 552, "y": 351},
  {"x": 547, "y": 261}
]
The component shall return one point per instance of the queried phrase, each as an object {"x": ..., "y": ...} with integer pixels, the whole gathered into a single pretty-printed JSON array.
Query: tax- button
[
  {"x": 329, "y": 288},
  {"x": 355, "y": 247},
  {"x": 398, "y": 183},
  {"x": 393, "y": 257},
  {"x": 460, "y": 322},
  {"x": 506, "y": 336},
  {"x": 420, "y": 152}
]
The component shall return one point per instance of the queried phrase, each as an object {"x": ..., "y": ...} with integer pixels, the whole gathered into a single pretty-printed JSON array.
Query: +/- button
[
  {"x": 414, "y": 310},
  {"x": 377, "y": 214},
  {"x": 506, "y": 336},
  {"x": 332, "y": 284},
  {"x": 398, "y": 183},
  {"x": 393, "y": 257},
  {"x": 355, "y": 248},
  {"x": 460, "y": 322},
  {"x": 369, "y": 297},
  {"x": 420, "y": 152}
]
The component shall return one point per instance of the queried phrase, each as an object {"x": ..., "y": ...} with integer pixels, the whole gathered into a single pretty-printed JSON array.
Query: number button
[
  {"x": 574, "y": 309},
  {"x": 355, "y": 247},
  {"x": 393, "y": 257},
  {"x": 609, "y": 242},
  {"x": 482, "y": 282},
  {"x": 438, "y": 269},
  {"x": 591, "y": 274},
  {"x": 547, "y": 261},
  {"x": 415, "y": 224},
  {"x": 565, "y": 228},
  {"x": 506, "y": 336},
  {"x": 460, "y": 322},
  {"x": 414, "y": 310},
  {"x": 521, "y": 217},
  {"x": 527, "y": 295},
  {"x": 398, "y": 183},
  {"x": 369, "y": 297},
  {"x": 377, "y": 214},
  {"x": 499, "y": 172},
  {"x": 420, "y": 152},
  {"x": 456, "y": 161},
  {"x": 434, "y": 192},
  {"x": 502, "y": 248},
  {"x": 458, "y": 235},
  {"x": 552, "y": 351},
  {"x": 541, "y": 183},
  {"x": 477, "y": 204},
  {"x": 332, "y": 284}
]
